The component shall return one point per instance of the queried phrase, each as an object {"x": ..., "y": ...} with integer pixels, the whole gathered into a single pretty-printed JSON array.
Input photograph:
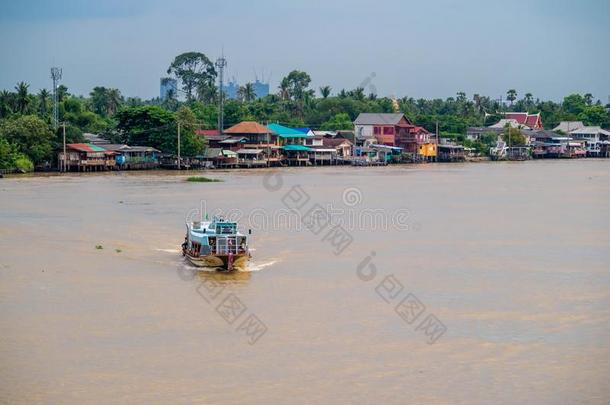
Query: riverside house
[
  {"x": 292, "y": 140},
  {"x": 134, "y": 157},
  {"x": 86, "y": 157},
  {"x": 260, "y": 146},
  {"x": 597, "y": 140},
  {"x": 395, "y": 129}
]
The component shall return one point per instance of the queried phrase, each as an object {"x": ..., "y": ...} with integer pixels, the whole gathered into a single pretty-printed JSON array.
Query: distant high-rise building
[
  {"x": 260, "y": 89},
  {"x": 168, "y": 85},
  {"x": 231, "y": 89}
]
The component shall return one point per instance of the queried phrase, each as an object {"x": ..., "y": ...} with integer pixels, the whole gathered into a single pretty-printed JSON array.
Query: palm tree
[
  {"x": 358, "y": 93},
  {"x": 5, "y": 103},
  {"x": 511, "y": 95},
  {"x": 284, "y": 89},
  {"x": 247, "y": 92},
  {"x": 114, "y": 100},
  {"x": 99, "y": 100},
  {"x": 461, "y": 96},
  {"x": 477, "y": 102},
  {"x": 43, "y": 101},
  {"x": 325, "y": 91},
  {"x": 62, "y": 93},
  {"x": 23, "y": 98}
]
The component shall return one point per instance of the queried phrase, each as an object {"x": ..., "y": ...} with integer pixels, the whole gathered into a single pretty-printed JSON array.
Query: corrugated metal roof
[
  {"x": 249, "y": 151},
  {"x": 286, "y": 132},
  {"x": 379, "y": 118},
  {"x": 86, "y": 147},
  {"x": 297, "y": 148}
]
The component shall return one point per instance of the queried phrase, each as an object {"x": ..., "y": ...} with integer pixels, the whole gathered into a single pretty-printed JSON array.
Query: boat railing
[{"x": 228, "y": 245}]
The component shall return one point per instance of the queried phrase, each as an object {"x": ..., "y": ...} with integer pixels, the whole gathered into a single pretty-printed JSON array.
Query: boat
[{"x": 216, "y": 244}]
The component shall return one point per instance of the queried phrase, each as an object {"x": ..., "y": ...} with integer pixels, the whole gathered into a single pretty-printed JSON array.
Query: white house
[{"x": 594, "y": 138}]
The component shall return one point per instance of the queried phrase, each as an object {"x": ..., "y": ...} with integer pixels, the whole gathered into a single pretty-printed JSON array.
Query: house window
[
  {"x": 388, "y": 131},
  {"x": 376, "y": 130}
]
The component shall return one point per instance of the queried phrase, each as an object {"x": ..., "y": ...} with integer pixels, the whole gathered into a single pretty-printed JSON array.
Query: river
[{"x": 440, "y": 283}]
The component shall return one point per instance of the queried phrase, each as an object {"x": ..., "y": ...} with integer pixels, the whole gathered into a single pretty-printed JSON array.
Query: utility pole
[
  {"x": 221, "y": 63},
  {"x": 65, "y": 157},
  {"x": 56, "y": 76},
  {"x": 178, "y": 145}
]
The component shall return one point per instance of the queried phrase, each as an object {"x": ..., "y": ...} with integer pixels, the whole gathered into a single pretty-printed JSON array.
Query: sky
[{"x": 425, "y": 48}]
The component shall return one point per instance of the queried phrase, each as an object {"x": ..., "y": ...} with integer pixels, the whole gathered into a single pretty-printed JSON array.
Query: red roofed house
[
  {"x": 529, "y": 120},
  {"x": 393, "y": 129},
  {"x": 85, "y": 157}
]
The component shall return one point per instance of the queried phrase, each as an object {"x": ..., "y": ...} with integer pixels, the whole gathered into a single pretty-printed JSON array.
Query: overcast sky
[{"x": 427, "y": 48}]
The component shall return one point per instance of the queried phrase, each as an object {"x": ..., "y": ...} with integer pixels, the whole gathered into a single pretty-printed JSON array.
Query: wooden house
[
  {"x": 451, "y": 153},
  {"x": 393, "y": 129},
  {"x": 257, "y": 137},
  {"x": 85, "y": 157}
]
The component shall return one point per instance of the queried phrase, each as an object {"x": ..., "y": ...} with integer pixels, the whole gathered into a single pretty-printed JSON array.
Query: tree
[
  {"x": 325, "y": 91},
  {"x": 595, "y": 115},
  {"x": 147, "y": 125},
  {"x": 190, "y": 144},
  {"x": 31, "y": 135},
  {"x": 99, "y": 100},
  {"x": 528, "y": 99},
  {"x": 43, "y": 102},
  {"x": 73, "y": 135},
  {"x": 11, "y": 158},
  {"x": 114, "y": 100},
  {"x": 357, "y": 93},
  {"x": 195, "y": 71},
  {"x": 514, "y": 137},
  {"x": 246, "y": 93},
  {"x": 62, "y": 93},
  {"x": 574, "y": 104},
  {"x": 284, "y": 92},
  {"x": 338, "y": 122},
  {"x": 511, "y": 96},
  {"x": 295, "y": 85},
  {"x": 23, "y": 98},
  {"x": 6, "y": 102},
  {"x": 588, "y": 98}
]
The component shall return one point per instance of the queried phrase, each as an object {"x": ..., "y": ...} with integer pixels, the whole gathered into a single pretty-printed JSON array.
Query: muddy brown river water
[{"x": 451, "y": 283}]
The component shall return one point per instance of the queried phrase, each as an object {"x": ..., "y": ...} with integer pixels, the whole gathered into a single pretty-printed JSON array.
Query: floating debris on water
[{"x": 201, "y": 179}]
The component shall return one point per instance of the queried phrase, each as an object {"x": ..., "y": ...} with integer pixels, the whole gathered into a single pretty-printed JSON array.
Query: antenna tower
[
  {"x": 221, "y": 63},
  {"x": 56, "y": 76}
]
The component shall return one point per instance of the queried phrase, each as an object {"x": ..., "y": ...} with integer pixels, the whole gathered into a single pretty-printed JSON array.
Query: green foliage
[
  {"x": 338, "y": 122},
  {"x": 146, "y": 125},
  {"x": 196, "y": 72},
  {"x": 295, "y": 86},
  {"x": 23, "y": 163},
  {"x": 157, "y": 127},
  {"x": 514, "y": 137},
  {"x": 574, "y": 104},
  {"x": 31, "y": 135},
  {"x": 73, "y": 135},
  {"x": 106, "y": 102},
  {"x": 595, "y": 115}
]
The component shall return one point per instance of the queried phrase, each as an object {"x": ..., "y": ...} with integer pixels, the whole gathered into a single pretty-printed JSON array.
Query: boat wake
[
  {"x": 168, "y": 250},
  {"x": 259, "y": 266}
]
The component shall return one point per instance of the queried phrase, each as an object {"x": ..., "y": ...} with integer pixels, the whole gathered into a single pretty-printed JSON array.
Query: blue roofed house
[{"x": 292, "y": 141}]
